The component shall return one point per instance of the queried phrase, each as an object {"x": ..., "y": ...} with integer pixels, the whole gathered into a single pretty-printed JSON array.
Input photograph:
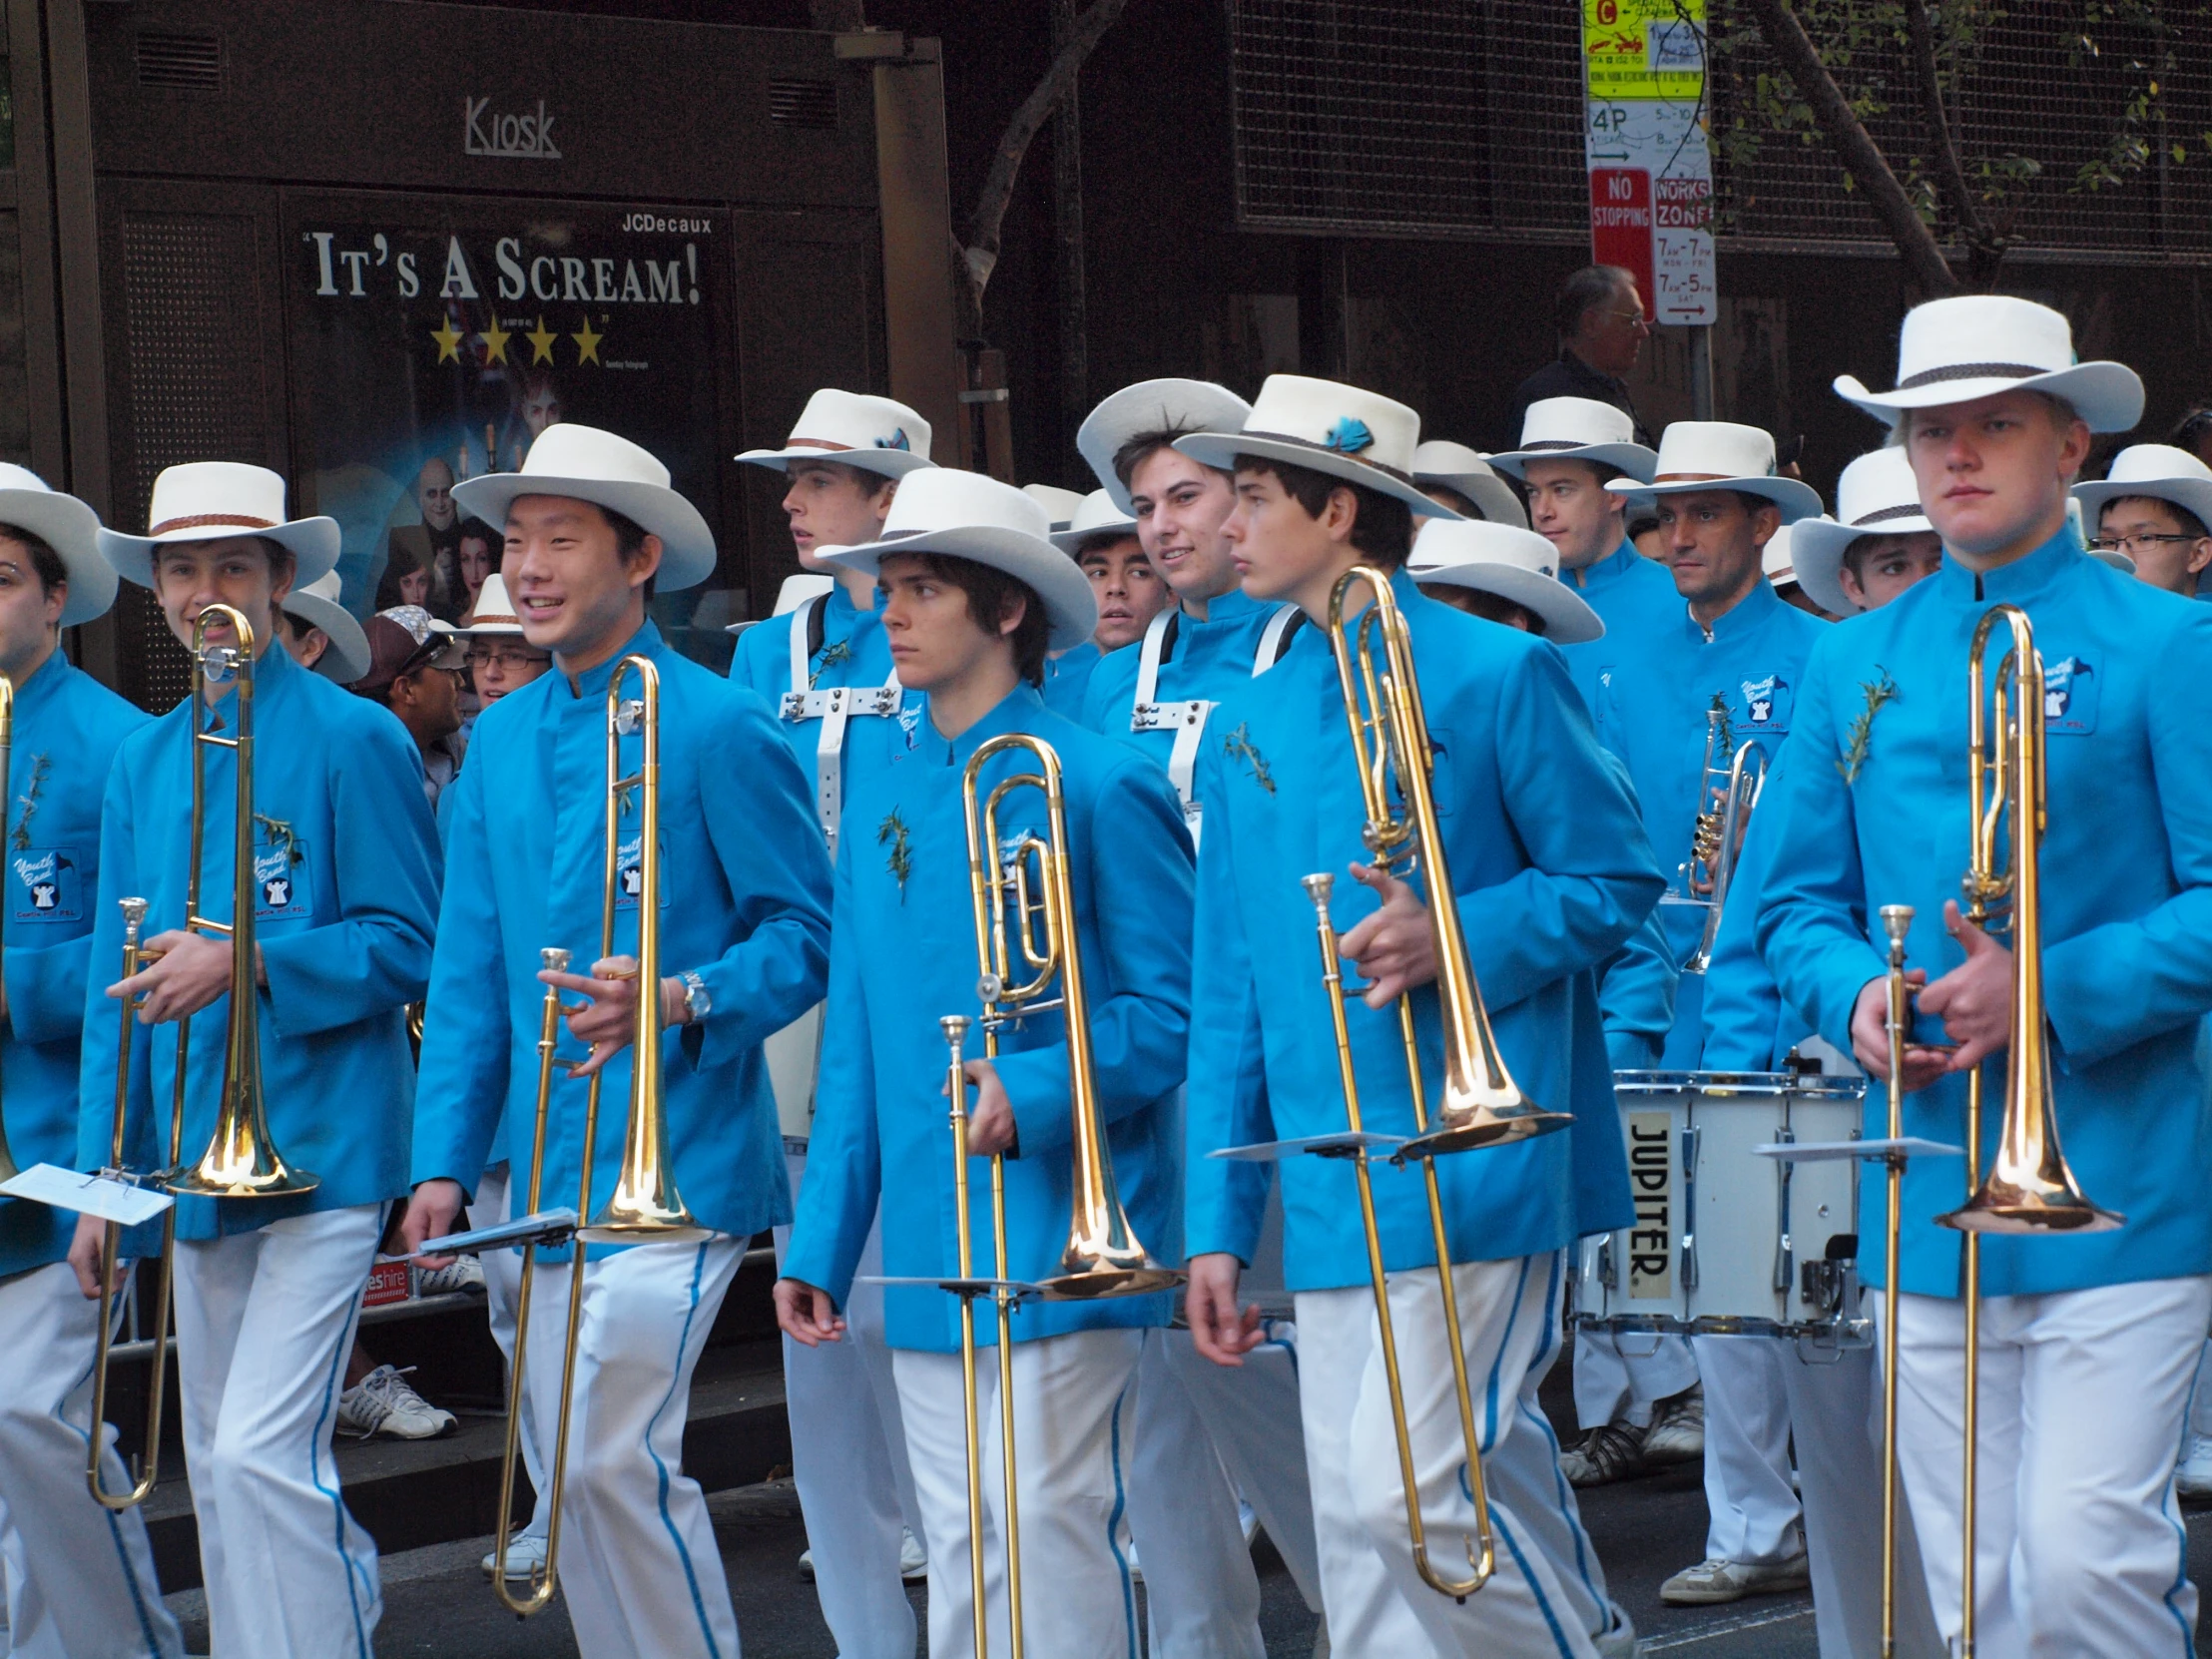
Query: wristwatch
[{"x": 696, "y": 997}]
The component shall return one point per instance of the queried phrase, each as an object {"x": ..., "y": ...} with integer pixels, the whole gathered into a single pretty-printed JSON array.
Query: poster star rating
[
  {"x": 449, "y": 340},
  {"x": 587, "y": 344},
  {"x": 495, "y": 342},
  {"x": 541, "y": 342}
]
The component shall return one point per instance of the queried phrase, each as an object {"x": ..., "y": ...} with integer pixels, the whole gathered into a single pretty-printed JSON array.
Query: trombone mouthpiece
[
  {"x": 554, "y": 961},
  {"x": 1896, "y": 921},
  {"x": 954, "y": 1027},
  {"x": 133, "y": 915},
  {"x": 1318, "y": 888}
]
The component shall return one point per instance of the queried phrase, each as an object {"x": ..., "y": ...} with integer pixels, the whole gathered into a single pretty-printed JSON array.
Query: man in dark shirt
[{"x": 1602, "y": 328}]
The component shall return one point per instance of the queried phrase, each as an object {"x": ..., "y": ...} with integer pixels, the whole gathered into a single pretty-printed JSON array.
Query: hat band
[
  {"x": 1563, "y": 443},
  {"x": 493, "y": 619},
  {"x": 1971, "y": 372},
  {"x": 816, "y": 443},
  {"x": 200, "y": 522},
  {"x": 1915, "y": 510},
  {"x": 1690, "y": 477},
  {"x": 1325, "y": 449}
]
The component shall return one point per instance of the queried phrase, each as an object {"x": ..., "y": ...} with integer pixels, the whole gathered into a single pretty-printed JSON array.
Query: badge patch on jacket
[
  {"x": 1763, "y": 705},
  {"x": 630, "y": 875},
  {"x": 280, "y": 877},
  {"x": 2070, "y": 695},
  {"x": 43, "y": 885}
]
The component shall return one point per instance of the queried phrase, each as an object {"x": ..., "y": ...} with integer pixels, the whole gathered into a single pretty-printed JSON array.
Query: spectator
[
  {"x": 414, "y": 670},
  {"x": 1602, "y": 329}
]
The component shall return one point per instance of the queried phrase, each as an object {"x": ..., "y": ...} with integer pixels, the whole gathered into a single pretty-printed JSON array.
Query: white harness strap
[
  {"x": 1187, "y": 718},
  {"x": 832, "y": 708}
]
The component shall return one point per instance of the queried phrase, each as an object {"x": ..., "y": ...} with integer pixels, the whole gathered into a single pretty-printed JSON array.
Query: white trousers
[
  {"x": 80, "y": 1578},
  {"x": 1835, "y": 1419},
  {"x": 849, "y": 1461},
  {"x": 1074, "y": 1414},
  {"x": 1751, "y": 1508},
  {"x": 502, "y": 1279},
  {"x": 1202, "y": 1597},
  {"x": 639, "y": 1569},
  {"x": 1245, "y": 1408},
  {"x": 1524, "y": 1469},
  {"x": 1619, "y": 1378},
  {"x": 1376, "y": 1602},
  {"x": 2085, "y": 1396},
  {"x": 265, "y": 1321},
  {"x": 2200, "y": 1396}
]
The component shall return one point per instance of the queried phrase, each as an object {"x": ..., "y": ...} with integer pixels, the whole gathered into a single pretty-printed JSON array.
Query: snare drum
[{"x": 1723, "y": 1234}]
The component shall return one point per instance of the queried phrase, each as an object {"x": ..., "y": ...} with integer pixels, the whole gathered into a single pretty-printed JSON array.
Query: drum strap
[
  {"x": 834, "y": 708},
  {"x": 1187, "y": 717}
]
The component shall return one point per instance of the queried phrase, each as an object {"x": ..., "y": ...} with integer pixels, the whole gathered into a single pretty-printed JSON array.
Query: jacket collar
[
  {"x": 1616, "y": 566},
  {"x": 593, "y": 682},
  {"x": 2021, "y": 582},
  {"x": 1019, "y": 710},
  {"x": 1741, "y": 619},
  {"x": 45, "y": 682}
]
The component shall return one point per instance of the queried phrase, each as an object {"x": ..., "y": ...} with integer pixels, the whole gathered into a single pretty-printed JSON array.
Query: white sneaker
[
  {"x": 913, "y": 1561},
  {"x": 1249, "y": 1520},
  {"x": 807, "y": 1563},
  {"x": 1713, "y": 1581},
  {"x": 2194, "y": 1477},
  {"x": 384, "y": 1403},
  {"x": 1677, "y": 1433},
  {"x": 525, "y": 1557},
  {"x": 1129, "y": 1555},
  {"x": 465, "y": 1273}
]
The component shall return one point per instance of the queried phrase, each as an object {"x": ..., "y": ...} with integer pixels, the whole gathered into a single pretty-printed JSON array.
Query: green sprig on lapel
[
  {"x": 1237, "y": 747},
  {"x": 891, "y": 833},
  {"x": 1876, "y": 693},
  {"x": 281, "y": 837},
  {"x": 20, "y": 841},
  {"x": 838, "y": 651}
]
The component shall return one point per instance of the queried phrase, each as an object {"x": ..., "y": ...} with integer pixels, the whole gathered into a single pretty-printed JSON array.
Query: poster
[
  {"x": 433, "y": 346},
  {"x": 1647, "y": 150}
]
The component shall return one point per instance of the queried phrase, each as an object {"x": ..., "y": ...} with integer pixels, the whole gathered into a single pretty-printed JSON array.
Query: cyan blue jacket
[
  {"x": 904, "y": 956},
  {"x": 67, "y": 729},
  {"x": 1067, "y": 677},
  {"x": 1877, "y": 813},
  {"x": 1209, "y": 659},
  {"x": 1633, "y": 596},
  {"x": 1651, "y": 712},
  {"x": 1747, "y": 1026},
  {"x": 345, "y": 860},
  {"x": 1552, "y": 874},
  {"x": 743, "y": 904}
]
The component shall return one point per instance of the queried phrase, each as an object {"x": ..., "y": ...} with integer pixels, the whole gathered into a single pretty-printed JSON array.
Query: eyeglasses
[
  {"x": 1635, "y": 319},
  {"x": 2128, "y": 544},
  {"x": 509, "y": 659}
]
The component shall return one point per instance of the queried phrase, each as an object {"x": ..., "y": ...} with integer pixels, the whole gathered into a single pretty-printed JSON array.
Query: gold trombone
[
  {"x": 2029, "y": 1188},
  {"x": 240, "y": 1160},
  {"x": 1481, "y": 1104},
  {"x": 643, "y": 1207},
  {"x": 1103, "y": 1256},
  {"x": 133, "y": 919}
]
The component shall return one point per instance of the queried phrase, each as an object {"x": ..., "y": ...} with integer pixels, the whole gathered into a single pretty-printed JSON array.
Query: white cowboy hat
[
  {"x": 71, "y": 529},
  {"x": 494, "y": 612},
  {"x": 1456, "y": 467},
  {"x": 874, "y": 434},
  {"x": 318, "y": 604},
  {"x": 1578, "y": 430},
  {"x": 969, "y": 516},
  {"x": 1775, "y": 558},
  {"x": 1324, "y": 426},
  {"x": 1721, "y": 455},
  {"x": 1512, "y": 563},
  {"x": 1096, "y": 516},
  {"x": 1059, "y": 505},
  {"x": 585, "y": 464},
  {"x": 2157, "y": 470},
  {"x": 1979, "y": 345},
  {"x": 1875, "y": 496},
  {"x": 214, "y": 500},
  {"x": 1171, "y": 405}
]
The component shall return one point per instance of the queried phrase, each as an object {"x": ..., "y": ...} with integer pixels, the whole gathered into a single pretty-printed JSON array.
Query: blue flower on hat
[
  {"x": 1348, "y": 436},
  {"x": 898, "y": 440}
]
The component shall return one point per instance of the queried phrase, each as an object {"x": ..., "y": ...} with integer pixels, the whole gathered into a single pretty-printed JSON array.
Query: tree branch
[
  {"x": 1985, "y": 245},
  {"x": 1786, "y": 38},
  {"x": 981, "y": 251}
]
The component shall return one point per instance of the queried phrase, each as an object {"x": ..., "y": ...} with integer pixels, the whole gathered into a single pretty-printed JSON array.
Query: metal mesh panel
[
  {"x": 1464, "y": 119},
  {"x": 2025, "y": 91},
  {"x": 1389, "y": 116},
  {"x": 193, "y": 345}
]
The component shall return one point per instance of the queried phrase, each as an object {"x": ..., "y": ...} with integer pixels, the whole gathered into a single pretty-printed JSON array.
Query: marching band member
[
  {"x": 1464, "y": 481},
  {"x": 2151, "y": 509},
  {"x": 1555, "y": 874},
  {"x": 973, "y": 596},
  {"x": 593, "y": 530},
  {"x": 1102, "y": 539},
  {"x": 320, "y": 632},
  {"x": 1761, "y": 1398},
  {"x": 1203, "y": 1595},
  {"x": 347, "y": 872},
  {"x": 1996, "y": 416},
  {"x": 824, "y": 669},
  {"x": 80, "y": 1580}
]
